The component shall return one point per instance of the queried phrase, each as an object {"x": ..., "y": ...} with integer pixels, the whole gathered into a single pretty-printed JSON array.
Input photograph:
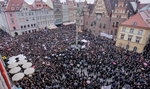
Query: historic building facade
[
  {"x": 134, "y": 33},
  {"x": 23, "y": 18},
  {"x": 65, "y": 12},
  {"x": 104, "y": 16},
  {"x": 57, "y": 8},
  {"x": 72, "y": 8}
]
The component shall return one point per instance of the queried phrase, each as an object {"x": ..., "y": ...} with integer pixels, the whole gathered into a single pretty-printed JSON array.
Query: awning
[
  {"x": 51, "y": 27},
  {"x": 106, "y": 35},
  {"x": 68, "y": 23}
]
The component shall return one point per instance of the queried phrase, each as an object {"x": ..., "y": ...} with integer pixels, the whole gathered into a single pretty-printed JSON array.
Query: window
[
  {"x": 86, "y": 23},
  {"x": 24, "y": 26},
  {"x": 131, "y": 30},
  {"x": 10, "y": 15},
  {"x": 21, "y": 27},
  {"x": 91, "y": 24},
  {"x": 124, "y": 29},
  {"x": 138, "y": 39},
  {"x": 104, "y": 26},
  {"x": 14, "y": 28},
  {"x": 135, "y": 49},
  {"x": 113, "y": 24},
  {"x": 127, "y": 47},
  {"x": 12, "y": 21},
  {"x": 31, "y": 25},
  {"x": 117, "y": 23},
  {"x": 140, "y": 32},
  {"x": 28, "y": 26},
  {"x": 134, "y": 23},
  {"x": 100, "y": 25},
  {"x": 129, "y": 37},
  {"x": 122, "y": 36}
]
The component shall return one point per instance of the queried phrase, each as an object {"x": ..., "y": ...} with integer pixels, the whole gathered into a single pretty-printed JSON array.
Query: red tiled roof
[
  {"x": 14, "y": 5},
  {"x": 139, "y": 20},
  {"x": 40, "y": 5}
]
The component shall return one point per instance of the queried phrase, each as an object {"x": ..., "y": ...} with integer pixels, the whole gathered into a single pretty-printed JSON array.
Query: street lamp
[{"x": 78, "y": 24}]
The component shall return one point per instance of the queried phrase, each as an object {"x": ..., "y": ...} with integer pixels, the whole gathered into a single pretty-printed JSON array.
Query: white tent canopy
[
  {"x": 15, "y": 70},
  {"x": 21, "y": 57},
  {"x": 27, "y": 65},
  {"x": 29, "y": 71},
  {"x": 106, "y": 87},
  {"x": 22, "y": 62},
  {"x": 106, "y": 35},
  {"x": 13, "y": 65},
  {"x": 11, "y": 61},
  {"x": 18, "y": 76},
  {"x": 85, "y": 41},
  {"x": 12, "y": 58}
]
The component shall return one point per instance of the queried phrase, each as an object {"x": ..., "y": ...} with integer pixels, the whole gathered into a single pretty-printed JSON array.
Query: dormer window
[
  {"x": 17, "y": 8},
  {"x": 12, "y": 8},
  {"x": 134, "y": 23}
]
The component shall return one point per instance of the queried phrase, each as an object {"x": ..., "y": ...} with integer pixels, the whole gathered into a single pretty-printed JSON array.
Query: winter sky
[{"x": 89, "y": 1}]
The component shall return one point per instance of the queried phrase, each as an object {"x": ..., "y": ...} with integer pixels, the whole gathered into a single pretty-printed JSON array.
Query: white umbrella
[
  {"x": 18, "y": 76},
  {"x": 22, "y": 58},
  {"x": 27, "y": 65},
  {"x": 12, "y": 58},
  {"x": 15, "y": 70},
  {"x": 22, "y": 62},
  {"x": 29, "y": 71},
  {"x": 88, "y": 81},
  {"x": 11, "y": 61},
  {"x": 13, "y": 65}
]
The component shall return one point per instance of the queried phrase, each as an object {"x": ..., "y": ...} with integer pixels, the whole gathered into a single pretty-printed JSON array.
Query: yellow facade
[{"x": 123, "y": 41}]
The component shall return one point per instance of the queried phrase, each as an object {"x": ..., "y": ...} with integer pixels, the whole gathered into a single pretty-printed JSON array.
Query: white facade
[
  {"x": 3, "y": 22},
  {"x": 65, "y": 12},
  {"x": 26, "y": 18},
  {"x": 44, "y": 18}
]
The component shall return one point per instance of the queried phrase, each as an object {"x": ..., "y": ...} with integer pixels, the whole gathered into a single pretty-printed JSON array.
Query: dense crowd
[{"x": 59, "y": 66}]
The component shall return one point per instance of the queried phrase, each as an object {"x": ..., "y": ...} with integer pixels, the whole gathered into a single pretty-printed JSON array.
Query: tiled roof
[
  {"x": 139, "y": 20},
  {"x": 14, "y": 5},
  {"x": 40, "y": 5},
  {"x": 91, "y": 7}
]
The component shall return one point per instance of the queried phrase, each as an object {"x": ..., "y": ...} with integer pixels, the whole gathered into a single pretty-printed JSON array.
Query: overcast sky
[{"x": 90, "y": 1}]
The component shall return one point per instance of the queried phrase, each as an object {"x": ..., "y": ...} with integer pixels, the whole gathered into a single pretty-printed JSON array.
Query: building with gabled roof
[
  {"x": 23, "y": 18},
  {"x": 106, "y": 15},
  {"x": 134, "y": 33}
]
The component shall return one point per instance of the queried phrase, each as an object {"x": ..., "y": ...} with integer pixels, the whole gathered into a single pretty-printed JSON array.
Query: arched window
[
  {"x": 135, "y": 49},
  {"x": 127, "y": 47}
]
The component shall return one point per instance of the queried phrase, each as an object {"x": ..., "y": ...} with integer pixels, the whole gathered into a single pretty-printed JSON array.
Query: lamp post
[{"x": 78, "y": 24}]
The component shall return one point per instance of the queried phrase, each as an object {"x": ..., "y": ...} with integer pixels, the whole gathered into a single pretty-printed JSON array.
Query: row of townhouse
[
  {"x": 17, "y": 17},
  {"x": 104, "y": 16}
]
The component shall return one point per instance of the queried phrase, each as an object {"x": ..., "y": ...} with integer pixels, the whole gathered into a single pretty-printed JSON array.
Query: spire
[{"x": 85, "y": 2}]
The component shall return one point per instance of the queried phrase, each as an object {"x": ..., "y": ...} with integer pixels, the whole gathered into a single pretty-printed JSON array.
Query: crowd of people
[{"x": 59, "y": 66}]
